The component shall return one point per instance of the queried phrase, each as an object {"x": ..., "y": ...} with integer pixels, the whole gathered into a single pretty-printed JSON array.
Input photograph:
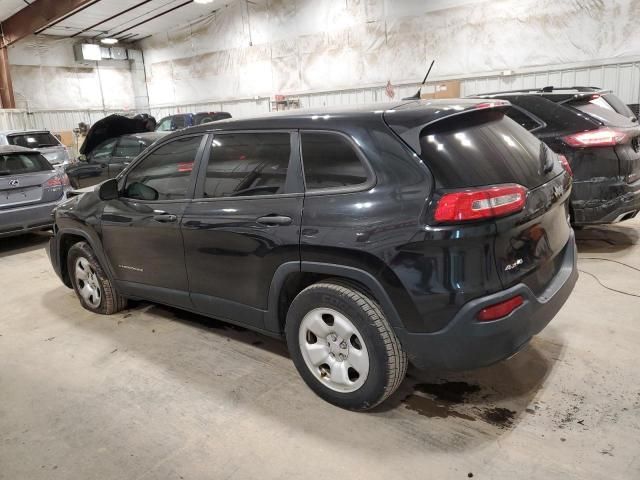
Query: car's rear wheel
[
  {"x": 91, "y": 284},
  {"x": 343, "y": 346}
]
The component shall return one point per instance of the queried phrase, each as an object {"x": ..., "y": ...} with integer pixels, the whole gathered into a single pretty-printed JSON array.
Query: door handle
[
  {"x": 165, "y": 217},
  {"x": 274, "y": 220}
]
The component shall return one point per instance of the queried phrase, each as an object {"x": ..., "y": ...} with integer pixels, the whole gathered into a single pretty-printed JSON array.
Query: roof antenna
[{"x": 418, "y": 94}]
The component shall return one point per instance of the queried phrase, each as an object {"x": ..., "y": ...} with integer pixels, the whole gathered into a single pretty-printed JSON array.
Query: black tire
[
  {"x": 387, "y": 359},
  {"x": 109, "y": 301}
]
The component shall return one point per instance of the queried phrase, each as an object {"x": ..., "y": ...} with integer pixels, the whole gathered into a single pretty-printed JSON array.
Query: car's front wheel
[
  {"x": 91, "y": 284},
  {"x": 343, "y": 346}
]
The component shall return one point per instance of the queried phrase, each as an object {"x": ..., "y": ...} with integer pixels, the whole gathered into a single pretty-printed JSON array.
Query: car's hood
[{"x": 114, "y": 126}]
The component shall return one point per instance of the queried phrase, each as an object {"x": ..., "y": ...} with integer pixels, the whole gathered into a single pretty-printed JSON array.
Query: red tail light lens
[
  {"x": 500, "y": 310},
  {"x": 565, "y": 164},
  {"x": 603, "y": 137},
  {"x": 480, "y": 203},
  {"x": 59, "y": 181}
]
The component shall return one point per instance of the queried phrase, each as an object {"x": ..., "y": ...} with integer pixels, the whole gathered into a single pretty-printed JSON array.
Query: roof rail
[{"x": 549, "y": 89}]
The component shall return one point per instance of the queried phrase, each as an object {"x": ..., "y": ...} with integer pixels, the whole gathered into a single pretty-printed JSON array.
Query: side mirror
[{"x": 108, "y": 190}]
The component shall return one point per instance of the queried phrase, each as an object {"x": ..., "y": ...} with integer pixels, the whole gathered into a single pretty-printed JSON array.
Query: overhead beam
[{"x": 38, "y": 15}]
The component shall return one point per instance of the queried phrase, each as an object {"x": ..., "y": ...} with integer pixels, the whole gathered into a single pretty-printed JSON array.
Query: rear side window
[
  {"x": 330, "y": 161},
  {"x": 34, "y": 140},
  {"x": 18, "y": 163},
  {"x": 522, "y": 119},
  {"x": 164, "y": 125},
  {"x": 179, "y": 122},
  {"x": 247, "y": 164},
  {"x": 165, "y": 173},
  {"x": 485, "y": 148}
]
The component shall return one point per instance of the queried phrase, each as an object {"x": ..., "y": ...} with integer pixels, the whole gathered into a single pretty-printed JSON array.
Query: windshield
[
  {"x": 34, "y": 140},
  {"x": 19, "y": 163}
]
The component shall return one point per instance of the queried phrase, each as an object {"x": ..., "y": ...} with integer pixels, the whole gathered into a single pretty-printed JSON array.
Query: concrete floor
[{"x": 155, "y": 393}]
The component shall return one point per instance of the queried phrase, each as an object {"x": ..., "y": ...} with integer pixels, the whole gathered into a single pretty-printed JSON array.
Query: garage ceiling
[
  {"x": 9, "y": 7},
  {"x": 123, "y": 19}
]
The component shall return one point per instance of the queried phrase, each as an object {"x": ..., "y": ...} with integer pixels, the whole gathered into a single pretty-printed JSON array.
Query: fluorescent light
[
  {"x": 203, "y": 1},
  {"x": 109, "y": 41}
]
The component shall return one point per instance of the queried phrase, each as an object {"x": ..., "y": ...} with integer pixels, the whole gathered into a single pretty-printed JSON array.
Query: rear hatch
[
  {"x": 44, "y": 142},
  {"x": 615, "y": 116},
  {"x": 27, "y": 178},
  {"x": 477, "y": 146}
]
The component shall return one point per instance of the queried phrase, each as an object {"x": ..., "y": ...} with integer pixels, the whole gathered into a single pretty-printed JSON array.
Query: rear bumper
[
  {"x": 466, "y": 343},
  {"x": 604, "y": 201},
  {"x": 24, "y": 219}
]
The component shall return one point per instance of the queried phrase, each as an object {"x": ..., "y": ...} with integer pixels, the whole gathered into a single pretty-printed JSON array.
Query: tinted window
[
  {"x": 127, "y": 147},
  {"x": 102, "y": 152},
  {"x": 522, "y": 118},
  {"x": 34, "y": 140},
  {"x": 17, "y": 163},
  {"x": 165, "y": 173},
  {"x": 618, "y": 105},
  {"x": 485, "y": 148},
  {"x": 601, "y": 110},
  {"x": 164, "y": 125},
  {"x": 178, "y": 122},
  {"x": 330, "y": 161},
  {"x": 247, "y": 164}
]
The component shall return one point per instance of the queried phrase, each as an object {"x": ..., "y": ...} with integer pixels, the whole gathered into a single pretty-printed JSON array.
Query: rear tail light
[
  {"x": 500, "y": 310},
  {"x": 59, "y": 181},
  {"x": 480, "y": 203},
  {"x": 602, "y": 137},
  {"x": 565, "y": 164}
]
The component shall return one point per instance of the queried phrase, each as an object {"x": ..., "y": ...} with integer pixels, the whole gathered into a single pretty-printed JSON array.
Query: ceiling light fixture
[
  {"x": 109, "y": 41},
  {"x": 203, "y": 1}
]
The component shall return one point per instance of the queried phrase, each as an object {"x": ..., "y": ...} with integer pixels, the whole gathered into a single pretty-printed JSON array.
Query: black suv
[
  {"x": 599, "y": 136},
  {"x": 435, "y": 232}
]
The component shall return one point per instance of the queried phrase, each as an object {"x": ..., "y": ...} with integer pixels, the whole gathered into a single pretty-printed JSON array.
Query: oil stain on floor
[{"x": 443, "y": 400}]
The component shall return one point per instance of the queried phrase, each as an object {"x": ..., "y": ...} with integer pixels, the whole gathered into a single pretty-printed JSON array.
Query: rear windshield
[
  {"x": 34, "y": 140},
  {"x": 602, "y": 111},
  {"x": 485, "y": 148},
  {"x": 17, "y": 163}
]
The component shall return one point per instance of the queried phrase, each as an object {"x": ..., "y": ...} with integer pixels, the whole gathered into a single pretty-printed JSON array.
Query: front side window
[
  {"x": 164, "y": 125},
  {"x": 247, "y": 164},
  {"x": 102, "y": 152},
  {"x": 330, "y": 161},
  {"x": 165, "y": 173},
  {"x": 127, "y": 147}
]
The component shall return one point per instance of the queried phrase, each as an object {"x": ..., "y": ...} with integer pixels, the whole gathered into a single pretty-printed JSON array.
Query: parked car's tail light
[
  {"x": 480, "y": 203},
  {"x": 499, "y": 310},
  {"x": 59, "y": 181},
  {"x": 565, "y": 164},
  {"x": 602, "y": 137},
  {"x": 184, "y": 167}
]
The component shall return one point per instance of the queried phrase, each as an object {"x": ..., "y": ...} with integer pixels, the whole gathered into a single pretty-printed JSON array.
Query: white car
[{"x": 41, "y": 140}]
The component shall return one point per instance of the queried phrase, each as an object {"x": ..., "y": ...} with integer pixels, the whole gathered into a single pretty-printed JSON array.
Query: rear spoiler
[
  {"x": 409, "y": 122},
  {"x": 585, "y": 96}
]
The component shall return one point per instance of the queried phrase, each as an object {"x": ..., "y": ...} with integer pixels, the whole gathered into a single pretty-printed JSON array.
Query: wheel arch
[
  {"x": 292, "y": 277},
  {"x": 67, "y": 237}
]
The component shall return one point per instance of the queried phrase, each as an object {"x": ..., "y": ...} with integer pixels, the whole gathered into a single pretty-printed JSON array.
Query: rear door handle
[{"x": 274, "y": 220}]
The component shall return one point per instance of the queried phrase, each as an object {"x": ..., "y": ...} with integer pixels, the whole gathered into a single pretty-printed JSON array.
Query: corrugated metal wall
[{"x": 623, "y": 79}]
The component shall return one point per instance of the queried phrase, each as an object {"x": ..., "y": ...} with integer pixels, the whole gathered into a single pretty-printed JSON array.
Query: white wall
[
  {"x": 46, "y": 76},
  {"x": 310, "y": 46}
]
